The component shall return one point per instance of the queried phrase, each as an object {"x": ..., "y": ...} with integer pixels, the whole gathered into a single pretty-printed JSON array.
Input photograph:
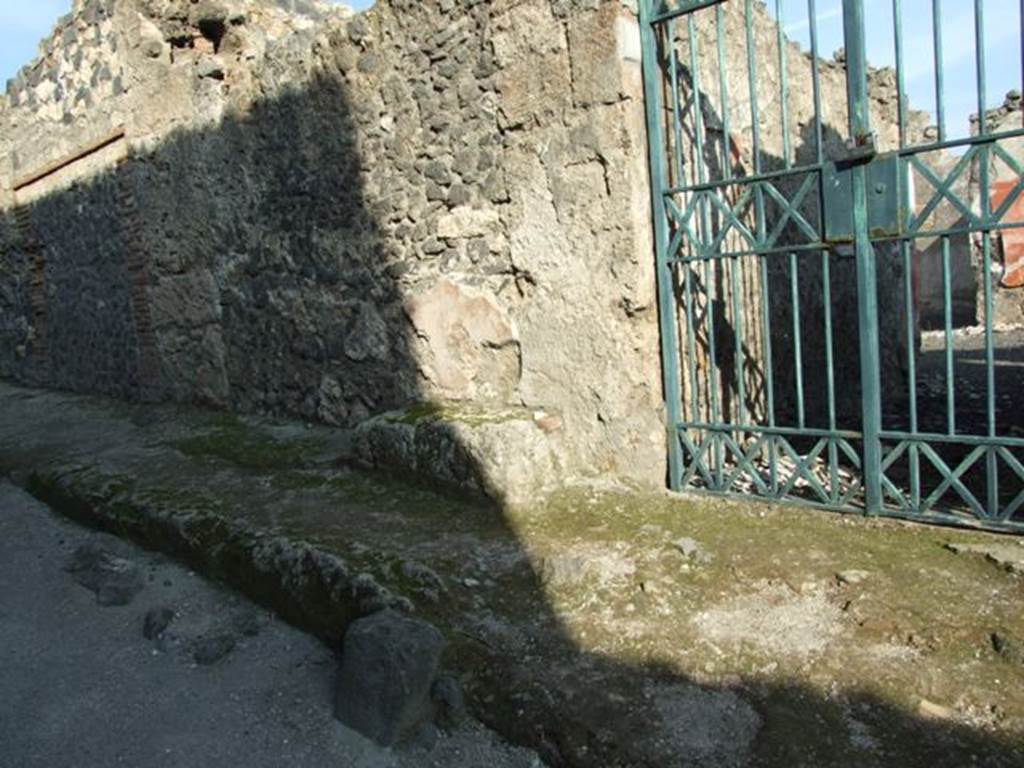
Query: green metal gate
[{"x": 798, "y": 207}]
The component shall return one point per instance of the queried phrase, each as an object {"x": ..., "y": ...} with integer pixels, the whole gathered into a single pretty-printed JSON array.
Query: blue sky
[
  {"x": 24, "y": 22},
  {"x": 1002, "y": 31}
]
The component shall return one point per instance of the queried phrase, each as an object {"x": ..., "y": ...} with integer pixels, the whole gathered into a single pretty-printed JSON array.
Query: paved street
[{"x": 83, "y": 688}]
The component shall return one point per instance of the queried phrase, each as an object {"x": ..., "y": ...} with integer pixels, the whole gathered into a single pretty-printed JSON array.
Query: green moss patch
[{"x": 236, "y": 443}]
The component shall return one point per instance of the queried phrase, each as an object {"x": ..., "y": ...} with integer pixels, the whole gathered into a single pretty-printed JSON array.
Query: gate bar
[
  {"x": 867, "y": 278},
  {"x": 656, "y": 152}
]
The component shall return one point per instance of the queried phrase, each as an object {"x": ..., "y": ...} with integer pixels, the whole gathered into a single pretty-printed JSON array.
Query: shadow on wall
[
  {"x": 272, "y": 285},
  {"x": 266, "y": 284}
]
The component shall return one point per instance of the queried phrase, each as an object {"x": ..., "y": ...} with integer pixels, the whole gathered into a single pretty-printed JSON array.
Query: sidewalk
[{"x": 605, "y": 629}]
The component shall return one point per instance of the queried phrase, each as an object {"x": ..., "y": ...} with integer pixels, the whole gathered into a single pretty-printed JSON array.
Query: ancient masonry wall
[
  {"x": 284, "y": 207},
  {"x": 1006, "y": 261},
  {"x": 328, "y": 215}
]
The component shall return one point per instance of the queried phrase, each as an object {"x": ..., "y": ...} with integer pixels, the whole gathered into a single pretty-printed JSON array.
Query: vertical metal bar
[
  {"x": 783, "y": 85},
  {"x": 769, "y": 372},
  {"x": 677, "y": 117},
  {"x": 755, "y": 118},
  {"x": 666, "y": 299},
  {"x": 737, "y": 313},
  {"x": 691, "y": 355},
  {"x": 691, "y": 342},
  {"x": 947, "y": 304},
  {"x": 737, "y": 305},
  {"x": 755, "y": 131},
  {"x": 698, "y": 110},
  {"x": 992, "y": 466},
  {"x": 723, "y": 89},
  {"x": 908, "y": 300},
  {"x": 830, "y": 376},
  {"x": 856, "y": 68},
  {"x": 798, "y": 362},
  {"x": 717, "y": 417},
  {"x": 819, "y": 143},
  {"x": 680, "y": 180},
  {"x": 897, "y": 19},
  {"x": 979, "y": 52},
  {"x": 940, "y": 101},
  {"x": 867, "y": 279}
]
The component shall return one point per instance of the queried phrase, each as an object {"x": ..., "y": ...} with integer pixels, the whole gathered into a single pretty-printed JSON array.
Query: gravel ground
[{"x": 82, "y": 686}]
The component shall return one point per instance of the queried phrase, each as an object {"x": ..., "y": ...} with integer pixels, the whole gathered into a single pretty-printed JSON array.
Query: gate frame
[{"x": 874, "y": 460}]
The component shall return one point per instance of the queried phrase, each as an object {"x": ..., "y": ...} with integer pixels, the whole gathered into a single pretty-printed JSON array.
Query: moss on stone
[{"x": 234, "y": 442}]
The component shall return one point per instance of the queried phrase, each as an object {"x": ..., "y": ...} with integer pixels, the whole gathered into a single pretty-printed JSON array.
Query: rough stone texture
[
  {"x": 210, "y": 650},
  {"x": 388, "y": 665},
  {"x": 1007, "y": 303},
  {"x": 1006, "y": 555},
  {"x": 449, "y": 702},
  {"x": 713, "y": 729},
  {"x": 156, "y": 622},
  {"x": 288, "y": 208},
  {"x": 115, "y": 580},
  {"x": 504, "y": 455},
  {"x": 1009, "y": 648},
  {"x": 333, "y": 215}
]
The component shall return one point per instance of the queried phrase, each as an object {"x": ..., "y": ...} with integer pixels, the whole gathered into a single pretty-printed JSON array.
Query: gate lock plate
[{"x": 885, "y": 214}]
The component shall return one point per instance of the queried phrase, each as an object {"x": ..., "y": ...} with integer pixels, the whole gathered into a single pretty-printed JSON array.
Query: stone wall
[
  {"x": 1007, "y": 246},
  {"x": 288, "y": 208},
  {"x": 331, "y": 215},
  {"x": 966, "y": 263}
]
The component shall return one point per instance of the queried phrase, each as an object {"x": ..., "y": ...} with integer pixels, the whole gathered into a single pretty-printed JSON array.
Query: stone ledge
[{"x": 504, "y": 455}]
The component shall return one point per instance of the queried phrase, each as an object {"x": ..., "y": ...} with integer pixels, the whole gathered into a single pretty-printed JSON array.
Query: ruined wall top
[{"x": 139, "y": 68}]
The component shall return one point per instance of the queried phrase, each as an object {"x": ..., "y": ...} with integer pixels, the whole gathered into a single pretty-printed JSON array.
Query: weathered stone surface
[
  {"x": 388, "y": 665},
  {"x": 449, "y": 702},
  {"x": 115, "y": 580},
  {"x": 691, "y": 549},
  {"x": 597, "y": 43},
  {"x": 1009, "y": 648},
  {"x": 210, "y": 650},
  {"x": 465, "y": 222},
  {"x": 472, "y": 350},
  {"x": 304, "y": 180},
  {"x": 1008, "y": 555},
  {"x": 502, "y": 455},
  {"x": 156, "y": 622},
  {"x": 190, "y": 300}
]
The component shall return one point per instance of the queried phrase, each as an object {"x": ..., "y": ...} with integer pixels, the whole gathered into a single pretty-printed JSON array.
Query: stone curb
[
  {"x": 307, "y": 586},
  {"x": 319, "y": 592}
]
